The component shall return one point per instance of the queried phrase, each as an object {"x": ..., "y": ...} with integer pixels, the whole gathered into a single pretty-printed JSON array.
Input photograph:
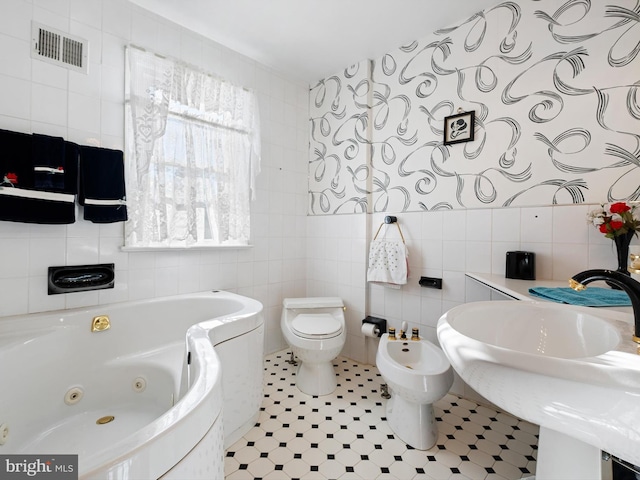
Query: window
[{"x": 192, "y": 155}]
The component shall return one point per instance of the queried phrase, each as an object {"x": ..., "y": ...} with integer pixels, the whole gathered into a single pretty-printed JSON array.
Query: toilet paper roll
[{"x": 370, "y": 330}]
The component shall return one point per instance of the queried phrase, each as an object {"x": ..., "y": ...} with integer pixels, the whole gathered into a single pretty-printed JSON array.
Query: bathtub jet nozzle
[{"x": 100, "y": 323}]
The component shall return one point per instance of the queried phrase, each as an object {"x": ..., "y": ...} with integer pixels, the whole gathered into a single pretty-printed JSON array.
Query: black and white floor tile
[{"x": 345, "y": 435}]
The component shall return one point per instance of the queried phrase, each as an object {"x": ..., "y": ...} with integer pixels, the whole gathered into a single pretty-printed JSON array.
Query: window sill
[{"x": 173, "y": 249}]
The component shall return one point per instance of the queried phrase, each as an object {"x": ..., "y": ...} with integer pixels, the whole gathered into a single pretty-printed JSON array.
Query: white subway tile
[
  {"x": 479, "y": 225},
  {"x": 505, "y": 226},
  {"x": 454, "y": 225},
  {"x": 453, "y": 286},
  {"x": 81, "y": 299},
  {"x": 119, "y": 292},
  {"x": 15, "y": 261},
  {"x": 48, "y": 74},
  {"x": 18, "y": 104},
  {"x": 88, "y": 12},
  {"x": 45, "y": 253},
  {"x": 15, "y": 57},
  {"x": 478, "y": 257},
  {"x": 188, "y": 279},
  {"x": 166, "y": 281},
  {"x": 61, "y": 7},
  {"x": 83, "y": 250},
  {"x": 570, "y": 224},
  {"x": 499, "y": 255},
  {"x": 39, "y": 299},
  {"x": 15, "y": 296},
  {"x": 142, "y": 283},
  {"x": 18, "y": 22},
  {"x": 454, "y": 255},
  {"x": 144, "y": 29},
  {"x": 116, "y": 18},
  {"x": 569, "y": 259},
  {"x": 111, "y": 252},
  {"x": 84, "y": 113},
  {"x": 48, "y": 104},
  {"x": 536, "y": 224},
  {"x": 14, "y": 230},
  {"x": 111, "y": 118},
  {"x": 544, "y": 259}
]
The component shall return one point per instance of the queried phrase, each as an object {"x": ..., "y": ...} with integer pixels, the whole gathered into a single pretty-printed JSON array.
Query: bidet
[{"x": 418, "y": 374}]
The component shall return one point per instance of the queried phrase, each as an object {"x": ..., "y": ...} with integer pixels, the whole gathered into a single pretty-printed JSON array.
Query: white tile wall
[
  {"x": 446, "y": 244},
  {"x": 89, "y": 109}
]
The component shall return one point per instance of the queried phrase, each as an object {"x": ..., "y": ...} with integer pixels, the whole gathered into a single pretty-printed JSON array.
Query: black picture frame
[{"x": 459, "y": 128}]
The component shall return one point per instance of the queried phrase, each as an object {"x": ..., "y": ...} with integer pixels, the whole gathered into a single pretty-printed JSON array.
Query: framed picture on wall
[{"x": 459, "y": 128}]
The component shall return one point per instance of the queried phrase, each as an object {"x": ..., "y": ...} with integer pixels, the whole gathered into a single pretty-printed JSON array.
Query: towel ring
[{"x": 385, "y": 223}]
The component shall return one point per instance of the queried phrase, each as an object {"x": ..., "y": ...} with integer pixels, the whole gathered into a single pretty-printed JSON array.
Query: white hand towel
[{"x": 388, "y": 263}]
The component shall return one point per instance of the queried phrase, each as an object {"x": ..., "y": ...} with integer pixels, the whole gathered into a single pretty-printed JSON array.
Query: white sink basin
[
  {"x": 538, "y": 329},
  {"x": 554, "y": 365}
]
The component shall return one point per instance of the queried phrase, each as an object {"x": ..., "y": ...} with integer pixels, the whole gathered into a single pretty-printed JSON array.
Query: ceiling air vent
[{"x": 59, "y": 48}]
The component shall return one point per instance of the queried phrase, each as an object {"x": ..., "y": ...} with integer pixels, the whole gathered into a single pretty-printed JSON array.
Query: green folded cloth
[{"x": 590, "y": 297}]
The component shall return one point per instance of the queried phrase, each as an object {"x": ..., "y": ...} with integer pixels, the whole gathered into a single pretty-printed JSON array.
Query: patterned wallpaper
[{"x": 554, "y": 85}]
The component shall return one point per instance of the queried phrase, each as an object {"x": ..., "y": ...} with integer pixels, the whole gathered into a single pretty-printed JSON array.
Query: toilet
[
  {"x": 418, "y": 374},
  {"x": 315, "y": 330}
]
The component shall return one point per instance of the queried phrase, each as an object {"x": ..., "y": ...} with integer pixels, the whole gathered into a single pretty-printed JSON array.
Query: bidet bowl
[
  {"x": 555, "y": 365},
  {"x": 417, "y": 370}
]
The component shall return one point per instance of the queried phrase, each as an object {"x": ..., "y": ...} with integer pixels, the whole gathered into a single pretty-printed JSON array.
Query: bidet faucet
[
  {"x": 403, "y": 330},
  {"x": 579, "y": 281}
]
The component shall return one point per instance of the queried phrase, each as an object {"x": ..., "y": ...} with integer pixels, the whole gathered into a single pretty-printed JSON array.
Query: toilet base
[
  {"x": 316, "y": 378},
  {"x": 414, "y": 423}
]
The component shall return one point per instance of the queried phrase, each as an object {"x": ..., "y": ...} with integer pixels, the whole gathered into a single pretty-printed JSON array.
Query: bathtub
[{"x": 159, "y": 394}]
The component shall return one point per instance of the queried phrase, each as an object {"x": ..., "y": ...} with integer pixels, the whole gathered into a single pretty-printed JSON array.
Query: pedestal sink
[{"x": 568, "y": 369}]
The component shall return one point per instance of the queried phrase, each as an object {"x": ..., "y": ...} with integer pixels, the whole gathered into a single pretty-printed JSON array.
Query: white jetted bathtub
[{"x": 160, "y": 393}]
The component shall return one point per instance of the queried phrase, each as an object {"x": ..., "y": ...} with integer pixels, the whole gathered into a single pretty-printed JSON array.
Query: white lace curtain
[{"x": 192, "y": 154}]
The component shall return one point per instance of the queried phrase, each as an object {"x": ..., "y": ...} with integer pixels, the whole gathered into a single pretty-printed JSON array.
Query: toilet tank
[{"x": 312, "y": 302}]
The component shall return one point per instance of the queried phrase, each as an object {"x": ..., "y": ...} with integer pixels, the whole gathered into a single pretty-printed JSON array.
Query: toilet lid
[{"x": 316, "y": 325}]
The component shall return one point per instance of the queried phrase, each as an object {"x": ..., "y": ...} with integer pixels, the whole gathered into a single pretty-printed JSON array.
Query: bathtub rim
[{"x": 194, "y": 413}]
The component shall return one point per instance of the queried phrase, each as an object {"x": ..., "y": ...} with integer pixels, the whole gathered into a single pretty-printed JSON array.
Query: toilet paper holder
[{"x": 380, "y": 323}]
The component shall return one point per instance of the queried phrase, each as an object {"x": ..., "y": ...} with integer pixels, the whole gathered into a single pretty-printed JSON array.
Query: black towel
[
  {"x": 15, "y": 159},
  {"x": 102, "y": 190},
  {"x": 48, "y": 160},
  {"x": 20, "y": 199}
]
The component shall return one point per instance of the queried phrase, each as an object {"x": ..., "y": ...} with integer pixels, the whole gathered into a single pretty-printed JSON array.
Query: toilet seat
[{"x": 316, "y": 326}]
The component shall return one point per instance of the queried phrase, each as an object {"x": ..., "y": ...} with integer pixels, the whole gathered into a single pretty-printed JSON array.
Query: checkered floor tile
[{"x": 345, "y": 435}]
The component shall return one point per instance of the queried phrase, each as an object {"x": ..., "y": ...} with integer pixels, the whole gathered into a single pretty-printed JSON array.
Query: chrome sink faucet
[{"x": 579, "y": 281}]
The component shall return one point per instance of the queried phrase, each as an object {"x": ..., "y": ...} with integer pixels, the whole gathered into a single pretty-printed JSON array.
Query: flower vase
[{"x": 622, "y": 251}]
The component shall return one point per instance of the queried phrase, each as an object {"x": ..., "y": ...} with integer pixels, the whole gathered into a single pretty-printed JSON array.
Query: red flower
[
  {"x": 619, "y": 207},
  {"x": 611, "y": 226},
  {"x": 12, "y": 177},
  {"x": 616, "y": 224}
]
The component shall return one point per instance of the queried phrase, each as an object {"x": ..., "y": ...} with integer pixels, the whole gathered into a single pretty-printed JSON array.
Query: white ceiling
[{"x": 313, "y": 39}]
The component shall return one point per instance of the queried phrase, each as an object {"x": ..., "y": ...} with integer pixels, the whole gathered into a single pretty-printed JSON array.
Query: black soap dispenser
[{"x": 521, "y": 265}]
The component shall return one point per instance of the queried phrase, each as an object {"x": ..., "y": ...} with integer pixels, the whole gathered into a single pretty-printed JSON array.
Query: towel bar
[{"x": 389, "y": 220}]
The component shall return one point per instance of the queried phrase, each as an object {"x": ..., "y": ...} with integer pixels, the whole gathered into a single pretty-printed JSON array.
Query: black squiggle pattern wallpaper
[{"x": 555, "y": 89}]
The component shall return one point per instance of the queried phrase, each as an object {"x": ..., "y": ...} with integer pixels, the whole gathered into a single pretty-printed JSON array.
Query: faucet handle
[
  {"x": 576, "y": 285},
  {"x": 392, "y": 333},
  {"x": 414, "y": 334}
]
